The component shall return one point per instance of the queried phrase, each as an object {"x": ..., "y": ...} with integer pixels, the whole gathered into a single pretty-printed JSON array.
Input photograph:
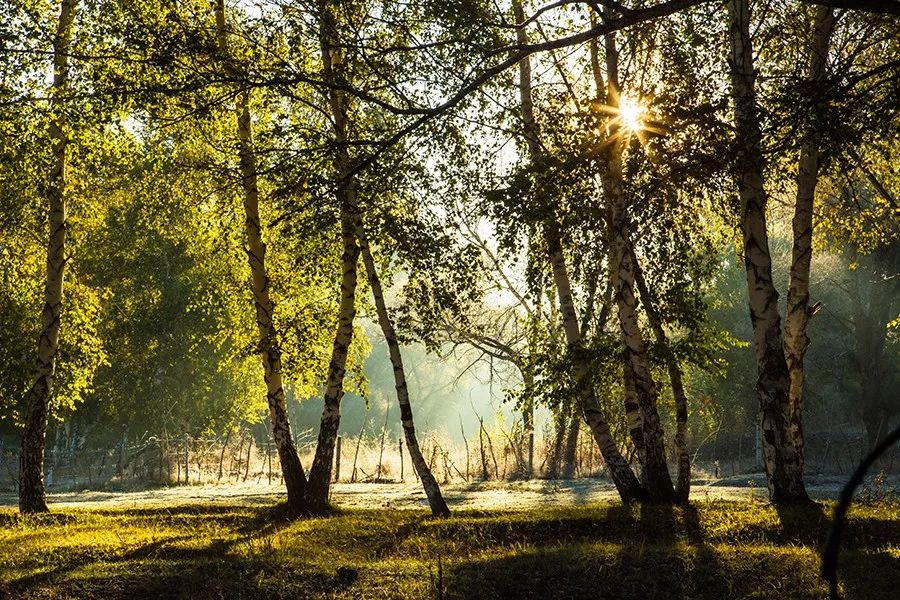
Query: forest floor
[
  {"x": 504, "y": 495},
  {"x": 713, "y": 549},
  {"x": 187, "y": 546}
]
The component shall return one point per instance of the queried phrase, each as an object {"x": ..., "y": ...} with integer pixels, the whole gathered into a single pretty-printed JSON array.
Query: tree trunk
[
  {"x": 623, "y": 477},
  {"x": 571, "y": 446},
  {"x": 294, "y": 477},
  {"x": 633, "y": 417},
  {"x": 683, "y": 485},
  {"x": 429, "y": 483},
  {"x": 333, "y": 69},
  {"x": 528, "y": 419},
  {"x": 784, "y": 468},
  {"x": 796, "y": 340},
  {"x": 32, "y": 497},
  {"x": 654, "y": 469},
  {"x": 554, "y": 461}
]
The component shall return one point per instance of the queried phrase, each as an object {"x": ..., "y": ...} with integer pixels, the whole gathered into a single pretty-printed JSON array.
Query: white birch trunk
[
  {"x": 291, "y": 468},
  {"x": 781, "y": 459},
  {"x": 799, "y": 311},
  {"x": 32, "y": 497}
]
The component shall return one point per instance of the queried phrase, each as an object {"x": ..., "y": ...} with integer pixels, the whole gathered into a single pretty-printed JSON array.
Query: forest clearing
[
  {"x": 450, "y": 299},
  {"x": 484, "y": 496}
]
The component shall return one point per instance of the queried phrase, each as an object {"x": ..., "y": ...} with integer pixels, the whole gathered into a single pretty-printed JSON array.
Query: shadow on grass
[
  {"x": 183, "y": 574},
  {"x": 171, "y": 568},
  {"x": 870, "y": 575},
  {"x": 162, "y": 569},
  {"x": 663, "y": 552},
  {"x": 12, "y": 519},
  {"x": 663, "y": 557},
  {"x": 630, "y": 552},
  {"x": 607, "y": 551}
]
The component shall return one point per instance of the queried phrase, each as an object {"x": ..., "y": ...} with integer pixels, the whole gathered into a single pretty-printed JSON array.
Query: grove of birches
[{"x": 663, "y": 233}]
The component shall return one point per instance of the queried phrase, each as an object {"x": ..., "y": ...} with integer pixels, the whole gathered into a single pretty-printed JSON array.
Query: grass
[{"x": 712, "y": 550}]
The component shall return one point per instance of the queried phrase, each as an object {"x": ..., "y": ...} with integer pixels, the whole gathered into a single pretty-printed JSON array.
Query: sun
[{"x": 631, "y": 114}]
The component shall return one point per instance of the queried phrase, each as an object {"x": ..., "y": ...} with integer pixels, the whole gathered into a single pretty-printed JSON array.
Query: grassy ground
[{"x": 718, "y": 549}]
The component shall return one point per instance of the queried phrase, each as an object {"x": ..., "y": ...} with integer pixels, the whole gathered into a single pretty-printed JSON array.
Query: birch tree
[
  {"x": 429, "y": 483},
  {"x": 623, "y": 477},
  {"x": 641, "y": 390},
  {"x": 781, "y": 456},
  {"x": 37, "y": 403},
  {"x": 269, "y": 343},
  {"x": 799, "y": 310},
  {"x": 335, "y": 73}
]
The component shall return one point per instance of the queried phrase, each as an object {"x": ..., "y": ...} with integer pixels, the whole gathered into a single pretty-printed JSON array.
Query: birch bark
[
  {"x": 781, "y": 459},
  {"x": 32, "y": 497},
  {"x": 429, "y": 483},
  {"x": 623, "y": 477},
  {"x": 334, "y": 68},
  {"x": 292, "y": 469},
  {"x": 799, "y": 312},
  {"x": 641, "y": 404}
]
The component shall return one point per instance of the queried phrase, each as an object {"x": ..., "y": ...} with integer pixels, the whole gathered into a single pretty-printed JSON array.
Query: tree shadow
[
  {"x": 166, "y": 568},
  {"x": 643, "y": 552},
  {"x": 870, "y": 575},
  {"x": 804, "y": 523},
  {"x": 159, "y": 569}
]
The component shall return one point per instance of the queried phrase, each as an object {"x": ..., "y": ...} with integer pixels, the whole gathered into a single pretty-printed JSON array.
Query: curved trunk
[
  {"x": 429, "y": 483},
  {"x": 781, "y": 459},
  {"x": 320, "y": 473},
  {"x": 683, "y": 481},
  {"x": 32, "y": 497},
  {"x": 623, "y": 477},
  {"x": 654, "y": 469},
  {"x": 796, "y": 340},
  {"x": 292, "y": 469},
  {"x": 333, "y": 67}
]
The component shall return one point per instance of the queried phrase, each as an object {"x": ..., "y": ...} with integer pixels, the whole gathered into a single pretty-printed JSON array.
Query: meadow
[{"x": 712, "y": 549}]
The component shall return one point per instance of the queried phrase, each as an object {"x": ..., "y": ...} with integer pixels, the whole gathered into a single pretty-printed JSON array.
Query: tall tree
[
  {"x": 37, "y": 403},
  {"x": 676, "y": 380},
  {"x": 335, "y": 68},
  {"x": 269, "y": 346},
  {"x": 429, "y": 483},
  {"x": 781, "y": 456},
  {"x": 623, "y": 477},
  {"x": 639, "y": 383},
  {"x": 799, "y": 311}
]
